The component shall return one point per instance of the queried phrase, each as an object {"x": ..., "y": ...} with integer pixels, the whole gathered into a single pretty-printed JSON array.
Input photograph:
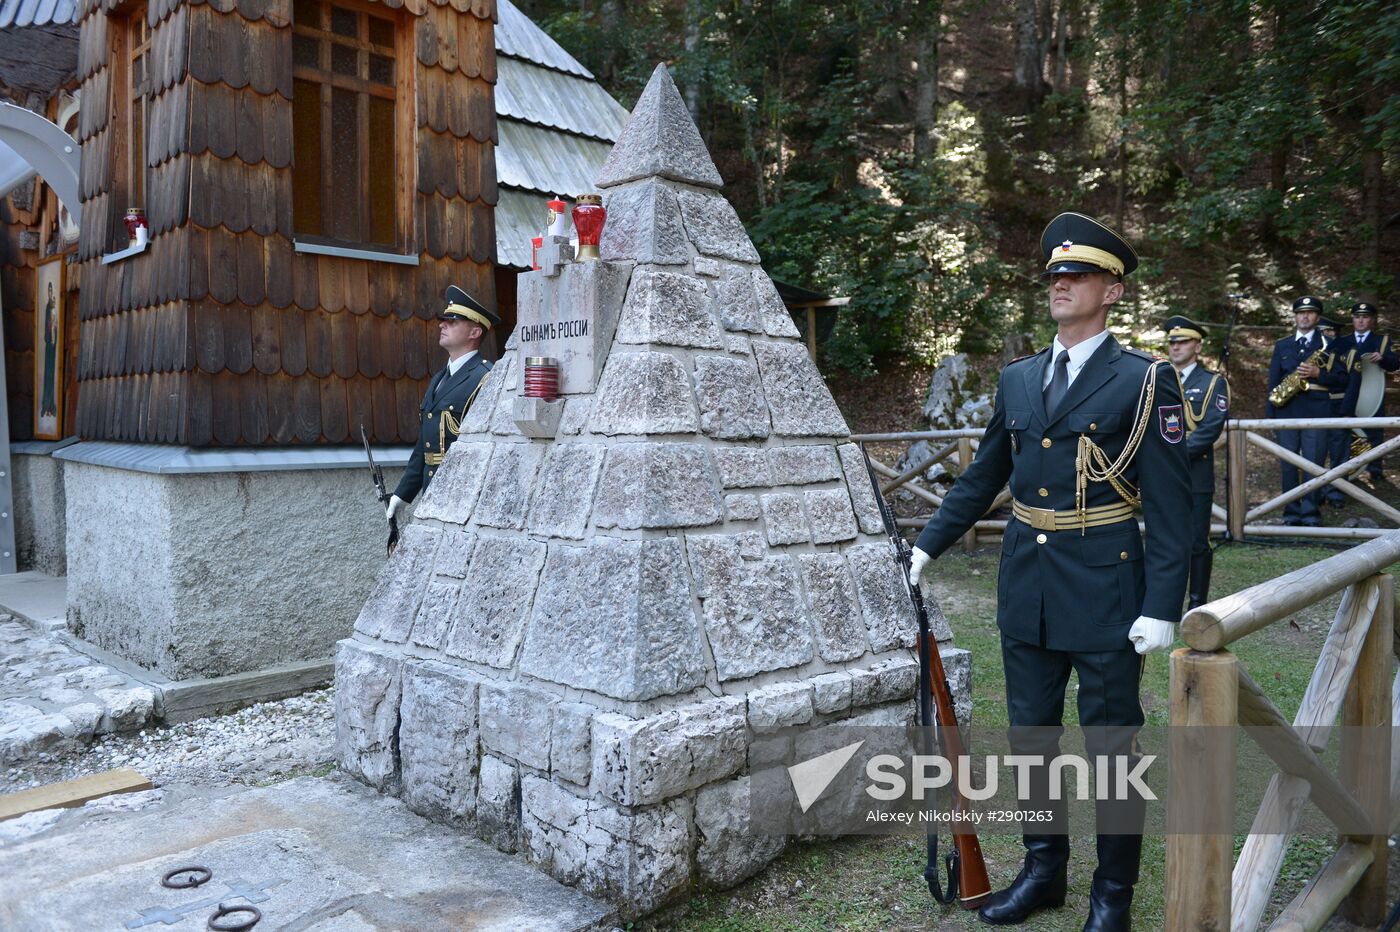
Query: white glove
[
  {"x": 1151, "y": 634},
  {"x": 917, "y": 561},
  {"x": 396, "y": 505}
]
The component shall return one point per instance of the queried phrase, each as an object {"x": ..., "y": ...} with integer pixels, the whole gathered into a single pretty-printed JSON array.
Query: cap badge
[{"x": 1065, "y": 246}]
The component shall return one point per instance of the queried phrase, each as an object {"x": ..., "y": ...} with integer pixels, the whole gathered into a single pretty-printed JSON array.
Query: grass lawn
[{"x": 876, "y": 882}]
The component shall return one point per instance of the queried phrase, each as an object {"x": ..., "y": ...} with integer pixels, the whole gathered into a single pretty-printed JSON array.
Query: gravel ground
[{"x": 261, "y": 744}]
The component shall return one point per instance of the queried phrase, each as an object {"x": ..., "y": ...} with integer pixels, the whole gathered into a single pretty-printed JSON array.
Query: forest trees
[{"x": 907, "y": 154}]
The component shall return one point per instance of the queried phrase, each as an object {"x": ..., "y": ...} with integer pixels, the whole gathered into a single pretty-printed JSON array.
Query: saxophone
[{"x": 1293, "y": 383}]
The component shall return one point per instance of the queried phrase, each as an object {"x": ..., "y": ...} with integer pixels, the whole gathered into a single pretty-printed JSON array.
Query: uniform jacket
[
  {"x": 1314, "y": 401},
  {"x": 1208, "y": 405},
  {"x": 1349, "y": 352},
  {"x": 1088, "y": 588},
  {"x": 449, "y": 394}
]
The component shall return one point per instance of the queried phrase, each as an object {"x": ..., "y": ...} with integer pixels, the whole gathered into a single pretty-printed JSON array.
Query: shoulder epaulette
[{"x": 1027, "y": 356}]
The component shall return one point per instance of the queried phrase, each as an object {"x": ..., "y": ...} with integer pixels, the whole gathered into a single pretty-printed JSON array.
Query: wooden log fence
[{"x": 1234, "y": 519}]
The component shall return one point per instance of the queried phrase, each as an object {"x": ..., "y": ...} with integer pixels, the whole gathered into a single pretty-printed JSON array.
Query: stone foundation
[
  {"x": 206, "y": 574},
  {"x": 40, "y": 521}
]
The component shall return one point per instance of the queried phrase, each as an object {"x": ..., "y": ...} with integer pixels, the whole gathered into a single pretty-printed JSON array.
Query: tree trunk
[
  {"x": 692, "y": 45},
  {"x": 926, "y": 81},
  {"x": 1373, "y": 186},
  {"x": 1026, "y": 75},
  {"x": 1061, "y": 50},
  {"x": 1121, "y": 205}
]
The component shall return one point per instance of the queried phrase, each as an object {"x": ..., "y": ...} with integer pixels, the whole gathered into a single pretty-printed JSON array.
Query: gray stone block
[
  {"x": 832, "y": 606},
  {"x": 660, "y": 139},
  {"x": 644, "y": 393},
  {"x": 742, "y": 467},
  {"x": 563, "y": 497},
  {"x": 858, "y": 484},
  {"x": 937, "y": 621},
  {"x": 829, "y": 513},
  {"x": 783, "y": 518},
  {"x": 505, "y": 495},
  {"x": 637, "y": 762},
  {"x": 710, "y": 268},
  {"x": 571, "y": 742},
  {"x": 478, "y": 417},
  {"x": 727, "y": 850},
  {"x": 884, "y": 598},
  {"x": 435, "y": 613},
  {"x": 657, "y": 485},
  {"x": 516, "y": 722},
  {"x": 668, "y": 308},
  {"x": 454, "y": 552},
  {"x": 498, "y": 803},
  {"x": 751, "y": 608},
  {"x": 780, "y": 705},
  {"x": 896, "y": 679},
  {"x": 453, "y": 493},
  {"x": 495, "y": 600},
  {"x": 614, "y": 616},
  {"x": 742, "y": 507},
  {"x": 800, "y": 403},
  {"x": 126, "y": 709},
  {"x": 393, "y": 603},
  {"x": 637, "y": 858},
  {"x": 737, "y": 300},
  {"x": 731, "y": 400},
  {"x": 369, "y": 685},
  {"x": 644, "y": 225},
  {"x": 777, "y": 321},
  {"x": 535, "y": 417},
  {"x": 957, "y": 668},
  {"x": 800, "y": 465},
  {"x": 831, "y": 693},
  {"x": 571, "y": 318},
  {"x": 714, "y": 228},
  {"x": 438, "y": 741},
  {"x": 738, "y": 344},
  {"x": 576, "y": 413}
]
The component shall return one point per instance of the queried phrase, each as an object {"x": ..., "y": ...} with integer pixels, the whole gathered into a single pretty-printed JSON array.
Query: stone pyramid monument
[{"x": 603, "y": 599}]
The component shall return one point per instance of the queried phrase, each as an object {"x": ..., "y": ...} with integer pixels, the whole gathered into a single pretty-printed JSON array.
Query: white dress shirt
[
  {"x": 454, "y": 364},
  {"x": 1079, "y": 354},
  {"x": 1183, "y": 373}
]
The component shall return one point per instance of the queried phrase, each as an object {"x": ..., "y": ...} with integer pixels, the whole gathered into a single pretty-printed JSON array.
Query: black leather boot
[
  {"x": 1199, "y": 587},
  {"x": 1041, "y": 884},
  {"x": 1110, "y": 907}
]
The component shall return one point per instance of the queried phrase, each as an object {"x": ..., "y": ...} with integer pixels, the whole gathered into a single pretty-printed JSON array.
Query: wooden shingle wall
[{"x": 221, "y": 333}]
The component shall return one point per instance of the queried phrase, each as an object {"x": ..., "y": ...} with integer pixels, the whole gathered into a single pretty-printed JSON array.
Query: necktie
[{"x": 1059, "y": 383}]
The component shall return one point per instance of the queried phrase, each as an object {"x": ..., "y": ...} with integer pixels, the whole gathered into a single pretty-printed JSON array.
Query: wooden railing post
[
  {"x": 1200, "y": 789},
  {"x": 1236, "y": 504},
  {"x": 1365, "y": 754},
  {"x": 964, "y": 463}
]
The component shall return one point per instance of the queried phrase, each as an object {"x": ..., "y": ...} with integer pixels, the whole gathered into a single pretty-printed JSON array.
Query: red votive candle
[
  {"x": 541, "y": 377},
  {"x": 589, "y": 217}
]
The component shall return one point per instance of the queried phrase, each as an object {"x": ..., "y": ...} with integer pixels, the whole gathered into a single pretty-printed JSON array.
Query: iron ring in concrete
[
  {"x": 236, "y": 925},
  {"x": 198, "y": 876}
]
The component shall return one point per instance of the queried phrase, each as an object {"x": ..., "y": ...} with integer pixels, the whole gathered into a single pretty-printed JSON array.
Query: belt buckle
[{"x": 1042, "y": 519}]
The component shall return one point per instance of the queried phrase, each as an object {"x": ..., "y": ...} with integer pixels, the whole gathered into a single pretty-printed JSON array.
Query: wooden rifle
[{"x": 967, "y": 870}]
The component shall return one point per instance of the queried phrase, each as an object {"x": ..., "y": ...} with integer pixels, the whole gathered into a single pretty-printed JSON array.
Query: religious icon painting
[{"x": 48, "y": 350}]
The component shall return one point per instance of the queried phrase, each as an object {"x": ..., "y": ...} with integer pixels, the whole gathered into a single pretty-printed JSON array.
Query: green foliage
[{"x": 1230, "y": 138}]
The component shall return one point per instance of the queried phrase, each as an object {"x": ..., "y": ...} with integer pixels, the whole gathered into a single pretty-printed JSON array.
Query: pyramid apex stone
[{"x": 660, "y": 140}]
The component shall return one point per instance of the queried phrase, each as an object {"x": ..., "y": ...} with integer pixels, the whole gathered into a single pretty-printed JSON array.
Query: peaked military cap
[
  {"x": 1362, "y": 309},
  {"x": 1308, "y": 303},
  {"x": 462, "y": 306},
  {"x": 1327, "y": 323},
  {"x": 1076, "y": 243},
  {"x": 1183, "y": 328}
]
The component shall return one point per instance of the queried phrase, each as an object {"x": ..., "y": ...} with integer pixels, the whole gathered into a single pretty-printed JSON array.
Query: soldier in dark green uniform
[
  {"x": 1087, "y": 432},
  {"x": 461, "y": 328},
  {"x": 1207, "y": 398}
]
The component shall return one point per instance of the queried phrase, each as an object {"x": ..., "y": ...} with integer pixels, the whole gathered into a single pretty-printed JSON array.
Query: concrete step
[{"x": 311, "y": 854}]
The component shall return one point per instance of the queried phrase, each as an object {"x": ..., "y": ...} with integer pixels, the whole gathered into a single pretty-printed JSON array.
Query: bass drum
[{"x": 1372, "y": 391}]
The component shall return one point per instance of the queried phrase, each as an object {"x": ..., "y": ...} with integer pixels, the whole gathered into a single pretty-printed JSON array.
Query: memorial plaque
[{"x": 571, "y": 317}]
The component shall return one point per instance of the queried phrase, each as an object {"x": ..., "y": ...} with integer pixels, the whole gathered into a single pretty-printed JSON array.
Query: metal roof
[
  {"x": 518, "y": 37},
  {"x": 548, "y": 98},
  {"x": 37, "y": 12},
  {"x": 546, "y": 160},
  {"x": 164, "y": 459}
]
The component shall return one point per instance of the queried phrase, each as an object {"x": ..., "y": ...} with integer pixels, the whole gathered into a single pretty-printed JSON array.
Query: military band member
[
  {"x": 462, "y": 325},
  {"x": 1086, "y": 432},
  {"x": 1338, "y": 439},
  {"x": 1305, "y": 359},
  {"x": 1363, "y": 347},
  {"x": 1207, "y": 401}
]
